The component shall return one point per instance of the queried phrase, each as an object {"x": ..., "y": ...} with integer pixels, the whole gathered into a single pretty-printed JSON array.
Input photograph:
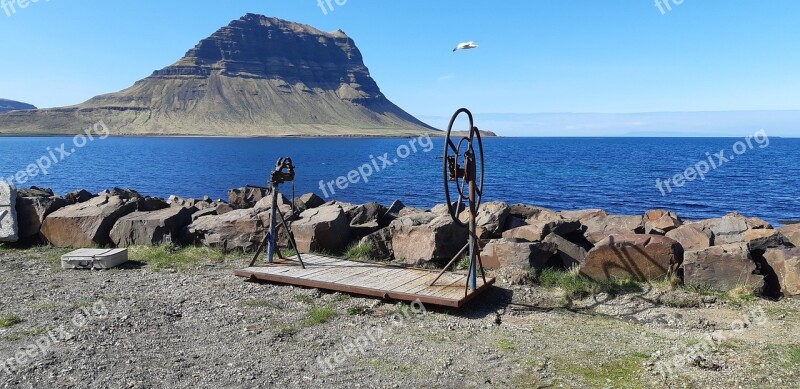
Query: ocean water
[{"x": 616, "y": 174}]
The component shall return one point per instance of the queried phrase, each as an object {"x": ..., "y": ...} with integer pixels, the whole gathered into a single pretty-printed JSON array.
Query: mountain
[
  {"x": 11, "y": 105},
  {"x": 258, "y": 76}
]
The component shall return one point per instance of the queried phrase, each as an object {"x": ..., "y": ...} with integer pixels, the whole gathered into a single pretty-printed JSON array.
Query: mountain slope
[
  {"x": 258, "y": 76},
  {"x": 11, "y": 105}
]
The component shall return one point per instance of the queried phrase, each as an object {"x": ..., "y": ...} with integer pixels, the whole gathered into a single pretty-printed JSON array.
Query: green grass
[
  {"x": 506, "y": 345},
  {"x": 463, "y": 263},
  {"x": 794, "y": 355},
  {"x": 9, "y": 320},
  {"x": 358, "y": 251},
  {"x": 167, "y": 257},
  {"x": 288, "y": 253},
  {"x": 301, "y": 298},
  {"x": 318, "y": 316},
  {"x": 262, "y": 303},
  {"x": 625, "y": 372},
  {"x": 33, "y": 331},
  {"x": 577, "y": 286},
  {"x": 358, "y": 311}
]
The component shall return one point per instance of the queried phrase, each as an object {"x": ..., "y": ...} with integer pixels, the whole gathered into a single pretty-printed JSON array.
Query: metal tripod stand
[{"x": 284, "y": 172}]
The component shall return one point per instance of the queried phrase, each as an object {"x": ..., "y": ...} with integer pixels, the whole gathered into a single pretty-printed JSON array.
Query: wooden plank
[{"x": 369, "y": 278}]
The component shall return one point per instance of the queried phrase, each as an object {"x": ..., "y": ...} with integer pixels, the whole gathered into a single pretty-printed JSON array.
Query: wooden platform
[{"x": 368, "y": 279}]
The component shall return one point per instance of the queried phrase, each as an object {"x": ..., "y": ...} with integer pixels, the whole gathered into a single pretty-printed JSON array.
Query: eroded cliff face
[{"x": 256, "y": 76}]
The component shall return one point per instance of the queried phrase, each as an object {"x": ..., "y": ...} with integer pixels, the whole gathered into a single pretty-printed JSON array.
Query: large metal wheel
[{"x": 463, "y": 162}]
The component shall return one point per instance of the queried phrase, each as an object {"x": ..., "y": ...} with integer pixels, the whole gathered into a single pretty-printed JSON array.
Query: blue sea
[{"x": 759, "y": 177}]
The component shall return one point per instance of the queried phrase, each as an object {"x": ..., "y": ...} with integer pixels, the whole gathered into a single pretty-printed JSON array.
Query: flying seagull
[{"x": 466, "y": 46}]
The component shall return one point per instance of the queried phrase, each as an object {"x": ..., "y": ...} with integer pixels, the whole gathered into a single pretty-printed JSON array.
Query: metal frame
[
  {"x": 468, "y": 176},
  {"x": 284, "y": 172}
]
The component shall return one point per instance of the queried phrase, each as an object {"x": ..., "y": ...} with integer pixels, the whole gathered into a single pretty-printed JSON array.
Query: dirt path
[{"x": 202, "y": 327}]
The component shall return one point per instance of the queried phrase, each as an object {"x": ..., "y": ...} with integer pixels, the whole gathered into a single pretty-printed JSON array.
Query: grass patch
[
  {"x": 506, "y": 345},
  {"x": 359, "y": 311},
  {"x": 463, "y": 263},
  {"x": 318, "y": 316},
  {"x": 9, "y": 320},
  {"x": 575, "y": 285},
  {"x": 287, "y": 253},
  {"x": 33, "y": 331},
  {"x": 261, "y": 303},
  {"x": 45, "y": 305},
  {"x": 794, "y": 355},
  {"x": 623, "y": 373},
  {"x": 364, "y": 251},
  {"x": 167, "y": 257}
]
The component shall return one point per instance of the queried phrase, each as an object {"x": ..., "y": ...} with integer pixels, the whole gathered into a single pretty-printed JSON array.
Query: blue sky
[{"x": 536, "y": 56}]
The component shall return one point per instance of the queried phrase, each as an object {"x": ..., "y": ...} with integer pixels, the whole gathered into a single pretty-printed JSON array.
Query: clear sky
[{"x": 612, "y": 56}]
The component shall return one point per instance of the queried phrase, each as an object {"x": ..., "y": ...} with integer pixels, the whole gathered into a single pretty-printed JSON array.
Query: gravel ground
[{"x": 204, "y": 328}]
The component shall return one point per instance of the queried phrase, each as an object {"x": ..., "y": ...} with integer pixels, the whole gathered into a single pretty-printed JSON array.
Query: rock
[
  {"x": 307, "y": 201},
  {"x": 243, "y": 198},
  {"x": 284, "y": 204},
  {"x": 691, "y": 237},
  {"x": 9, "y": 229},
  {"x": 727, "y": 229},
  {"x": 381, "y": 242},
  {"x": 392, "y": 213},
  {"x": 571, "y": 255},
  {"x": 753, "y": 223},
  {"x": 600, "y": 227},
  {"x": 791, "y": 232},
  {"x": 537, "y": 231},
  {"x": 533, "y": 214},
  {"x": 583, "y": 214},
  {"x": 31, "y": 212},
  {"x": 490, "y": 219},
  {"x": 240, "y": 230},
  {"x": 440, "y": 239},
  {"x": 415, "y": 219},
  {"x": 152, "y": 227},
  {"x": 655, "y": 214},
  {"x": 86, "y": 224},
  {"x": 220, "y": 209},
  {"x": 662, "y": 225},
  {"x": 763, "y": 239},
  {"x": 785, "y": 263},
  {"x": 408, "y": 211},
  {"x": 78, "y": 196},
  {"x": 322, "y": 229},
  {"x": 149, "y": 204},
  {"x": 35, "y": 191},
  {"x": 724, "y": 268},
  {"x": 643, "y": 257},
  {"x": 369, "y": 213},
  {"x": 516, "y": 253}
]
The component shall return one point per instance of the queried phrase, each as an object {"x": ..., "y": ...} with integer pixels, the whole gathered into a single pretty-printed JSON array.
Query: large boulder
[
  {"x": 440, "y": 239},
  {"x": 539, "y": 230},
  {"x": 322, "y": 229},
  {"x": 785, "y": 263},
  {"x": 791, "y": 232},
  {"x": 724, "y": 268},
  {"x": 219, "y": 209},
  {"x": 307, "y": 201},
  {"x": 643, "y": 257},
  {"x": 571, "y": 254},
  {"x": 78, "y": 196},
  {"x": 9, "y": 229},
  {"x": 532, "y": 213},
  {"x": 600, "y": 227},
  {"x": 366, "y": 218},
  {"x": 238, "y": 230},
  {"x": 516, "y": 253},
  {"x": 151, "y": 228},
  {"x": 660, "y": 221},
  {"x": 583, "y": 214},
  {"x": 32, "y": 208},
  {"x": 726, "y": 229},
  {"x": 763, "y": 239},
  {"x": 87, "y": 224},
  {"x": 489, "y": 219},
  {"x": 381, "y": 243},
  {"x": 691, "y": 237},
  {"x": 242, "y": 198}
]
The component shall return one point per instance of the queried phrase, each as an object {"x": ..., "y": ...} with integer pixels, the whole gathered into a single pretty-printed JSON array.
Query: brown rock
[
  {"x": 86, "y": 224},
  {"x": 381, "y": 242},
  {"x": 785, "y": 262},
  {"x": 643, "y": 257},
  {"x": 31, "y": 212},
  {"x": 308, "y": 201},
  {"x": 690, "y": 238},
  {"x": 322, "y": 229},
  {"x": 727, "y": 229},
  {"x": 490, "y": 219},
  {"x": 724, "y": 268},
  {"x": 537, "y": 231},
  {"x": 762, "y": 239},
  {"x": 583, "y": 214},
  {"x": 151, "y": 228},
  {"x": 243, "y": 198},
  {"x": 441, "y": 239},
  {"x": 662, "y": 225},
  {"x": 515, "y": 253},
  {"x": 532, "y": 213},
  {"x": 600, "y": 227},
  {"x": 241, "y": 230},
  {"x": 220, "y": 209},
  {"x": 791, "y": 232},
  {"x": 571, "y": 255},
  {"x": 78, "y": 196}
]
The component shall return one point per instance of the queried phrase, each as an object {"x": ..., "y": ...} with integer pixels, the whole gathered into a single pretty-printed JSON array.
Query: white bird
[{"x": 466, "y": 46}]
